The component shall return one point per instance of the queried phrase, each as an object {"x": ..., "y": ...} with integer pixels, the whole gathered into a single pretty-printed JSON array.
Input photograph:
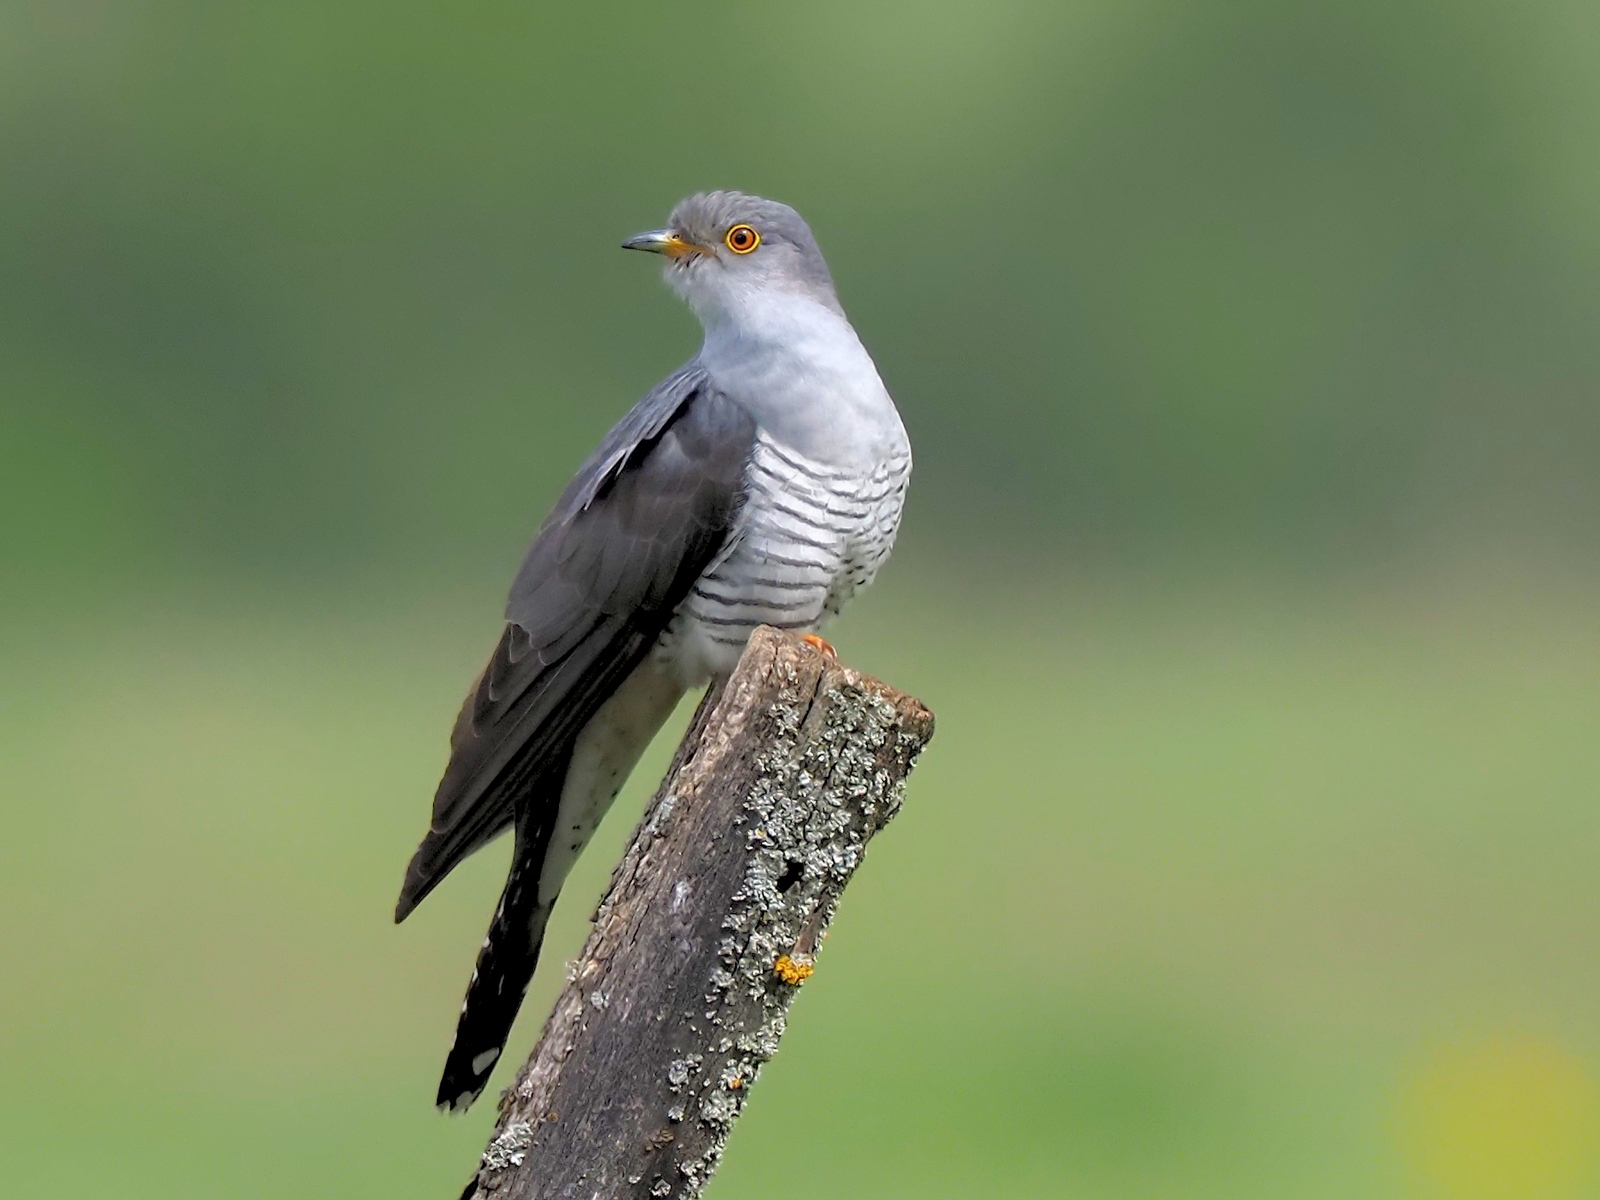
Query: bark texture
[{"x": 709, "y": 927}]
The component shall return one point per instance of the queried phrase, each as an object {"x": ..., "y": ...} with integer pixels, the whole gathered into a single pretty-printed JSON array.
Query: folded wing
[{"x": 629, "y": 537}]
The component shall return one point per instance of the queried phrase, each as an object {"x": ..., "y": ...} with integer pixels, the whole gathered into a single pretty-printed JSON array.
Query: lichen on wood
[{"x": 711, "y": 924}]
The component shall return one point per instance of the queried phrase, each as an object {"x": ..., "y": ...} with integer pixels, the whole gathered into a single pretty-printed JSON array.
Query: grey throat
[{"x": 761, "y": 483}]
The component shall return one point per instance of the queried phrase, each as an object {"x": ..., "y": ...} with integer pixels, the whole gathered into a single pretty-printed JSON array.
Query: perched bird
[{"x": 761, "y": 483}]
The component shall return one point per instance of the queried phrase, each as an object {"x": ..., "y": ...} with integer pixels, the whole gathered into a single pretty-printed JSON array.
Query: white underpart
[
  {"x": 604, "y": 754},
  {"x": 810, "y": 536}
]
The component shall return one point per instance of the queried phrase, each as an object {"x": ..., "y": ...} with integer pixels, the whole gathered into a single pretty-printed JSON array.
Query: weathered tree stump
[{"x": 709, "y": 927}]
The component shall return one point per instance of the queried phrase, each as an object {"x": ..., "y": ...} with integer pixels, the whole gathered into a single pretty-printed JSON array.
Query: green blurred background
[{"x": 1251, "y": 353}]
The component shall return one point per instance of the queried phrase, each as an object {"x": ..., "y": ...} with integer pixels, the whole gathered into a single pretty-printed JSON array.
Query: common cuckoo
[{"x": 761, "y": 483}]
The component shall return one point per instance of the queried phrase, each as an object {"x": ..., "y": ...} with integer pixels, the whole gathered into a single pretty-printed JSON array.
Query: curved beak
[{"x": 663, "y": 241}]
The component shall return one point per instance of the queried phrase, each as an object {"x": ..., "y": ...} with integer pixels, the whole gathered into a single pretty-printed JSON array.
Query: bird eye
[{"x": 742, "y": 239}]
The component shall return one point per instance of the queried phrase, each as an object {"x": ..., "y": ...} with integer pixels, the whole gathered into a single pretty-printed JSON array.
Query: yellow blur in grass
[{"x": 1504, "y": 1118}]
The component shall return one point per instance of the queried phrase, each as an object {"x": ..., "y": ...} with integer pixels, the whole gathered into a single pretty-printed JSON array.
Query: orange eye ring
[{"x": 742, "y": 239}]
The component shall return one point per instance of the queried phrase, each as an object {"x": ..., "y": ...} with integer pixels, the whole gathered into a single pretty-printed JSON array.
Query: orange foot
[{"x": 814, "y": 641}]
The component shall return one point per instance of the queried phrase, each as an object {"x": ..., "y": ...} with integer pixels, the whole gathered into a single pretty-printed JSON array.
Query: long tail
[{"x": 500, "y": 980}]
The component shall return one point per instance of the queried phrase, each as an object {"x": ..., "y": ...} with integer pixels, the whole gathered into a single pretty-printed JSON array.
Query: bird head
[{"x": 721, "y": 247}]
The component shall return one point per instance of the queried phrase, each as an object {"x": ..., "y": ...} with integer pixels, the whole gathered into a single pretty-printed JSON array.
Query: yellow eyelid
[{"x": 755, "y": 239}]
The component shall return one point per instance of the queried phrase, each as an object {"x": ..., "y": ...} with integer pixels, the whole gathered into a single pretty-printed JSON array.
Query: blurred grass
[{"x": 1191, "y": 879}]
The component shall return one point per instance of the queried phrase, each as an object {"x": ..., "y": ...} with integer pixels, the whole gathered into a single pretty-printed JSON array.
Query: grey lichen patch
[
  {"x": 680, "y": 1070},
  {"x": 761, "y": 1043},
  {"x": 719, "y": 1108},
  {"x": 510, "y": 1148}
]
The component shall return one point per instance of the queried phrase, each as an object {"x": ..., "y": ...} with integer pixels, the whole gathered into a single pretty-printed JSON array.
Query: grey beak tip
[{"x": 653, "y": 240}]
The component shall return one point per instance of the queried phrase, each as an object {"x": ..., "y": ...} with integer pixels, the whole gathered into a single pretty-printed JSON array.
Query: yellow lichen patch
[{"x": 794, "y": 970}]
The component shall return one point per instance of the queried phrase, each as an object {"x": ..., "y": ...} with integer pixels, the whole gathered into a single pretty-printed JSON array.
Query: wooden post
[{"x": 709, "y": 927}]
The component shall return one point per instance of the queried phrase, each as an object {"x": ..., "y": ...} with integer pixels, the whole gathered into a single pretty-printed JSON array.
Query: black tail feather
[{"x": 500, "y": 980}]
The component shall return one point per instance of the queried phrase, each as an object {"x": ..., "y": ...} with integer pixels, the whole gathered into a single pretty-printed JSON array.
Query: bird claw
[{"x": 817, "y": 643}]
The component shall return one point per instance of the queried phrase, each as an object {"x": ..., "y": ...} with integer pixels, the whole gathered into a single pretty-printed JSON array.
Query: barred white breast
[{"x": 809, "y": 537}]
